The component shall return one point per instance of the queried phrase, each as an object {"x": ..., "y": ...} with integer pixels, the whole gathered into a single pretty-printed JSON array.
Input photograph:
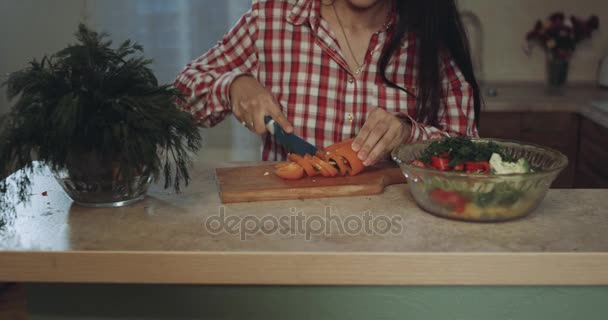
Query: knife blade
[{"x": 290, "y": 141}]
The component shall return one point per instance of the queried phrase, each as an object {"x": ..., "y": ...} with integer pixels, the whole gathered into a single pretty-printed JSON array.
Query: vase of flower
[
  {"x": 557, "y": 72},
  {"x": 559, "y": 37}
]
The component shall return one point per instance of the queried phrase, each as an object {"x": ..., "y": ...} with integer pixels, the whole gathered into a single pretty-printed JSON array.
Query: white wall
[
  {"x": 32, "y": 28},
  {"x": 505, "y": 24}
]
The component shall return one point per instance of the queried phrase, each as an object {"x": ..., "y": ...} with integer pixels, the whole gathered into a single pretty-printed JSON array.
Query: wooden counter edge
[{"x": 305, "y": 268}]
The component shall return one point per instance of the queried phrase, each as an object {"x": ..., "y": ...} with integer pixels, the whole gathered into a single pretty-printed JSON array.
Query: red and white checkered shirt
[{"x": 289, "y": 48}]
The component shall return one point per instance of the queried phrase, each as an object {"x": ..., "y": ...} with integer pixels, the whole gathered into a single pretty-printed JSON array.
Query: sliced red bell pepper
[
  {"x": 340, "y": 162},
  {"x": 305, "y": 164},
  {"x": 289, "y": 171},
  {"x": 449, "y": 199},
  {"x": 459, "y": 167},
  {"x": 336, "y": 146},
  {"x": 441, "y": 164},
  {"x": 355, "y": 164},
  {"x": 327, "y": 170},
  {"x": 482, "y": 167}
]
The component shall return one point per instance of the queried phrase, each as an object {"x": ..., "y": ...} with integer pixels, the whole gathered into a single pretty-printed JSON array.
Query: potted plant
[
  {"x": 97, "y": 117},
  {"x": 559, "y": 37}
]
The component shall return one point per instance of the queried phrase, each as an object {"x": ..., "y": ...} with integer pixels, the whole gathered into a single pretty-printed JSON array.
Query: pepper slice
[
  {"x": 337, "y": 159},
  {"x": 289, "y": 171},
  {"x": 356, "y": 165},
  {"x": 482, "y": 167},
  {"x": 336, "y": 146},
  {"x": 306, "y": 164},
  {"x": 441, "y": 164},
  {"x": 340, "y": 162},
  {"x": 328, "y": 168}
]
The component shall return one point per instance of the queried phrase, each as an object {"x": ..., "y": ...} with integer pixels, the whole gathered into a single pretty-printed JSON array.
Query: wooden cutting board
[{"x": 259, "y": 183}]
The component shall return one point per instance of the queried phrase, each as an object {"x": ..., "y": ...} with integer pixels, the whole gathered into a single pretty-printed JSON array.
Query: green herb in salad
[{"x": 461, "y": 149}]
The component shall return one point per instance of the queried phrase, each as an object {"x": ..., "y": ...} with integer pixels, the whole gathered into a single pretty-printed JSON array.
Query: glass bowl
[
  {"x": 479, "y": 197},
  {"x": 95, "y": 181}
]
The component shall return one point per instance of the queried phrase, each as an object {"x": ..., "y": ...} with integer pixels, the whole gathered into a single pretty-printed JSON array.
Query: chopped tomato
[
  {"x": 477, "y": 167},
  {"x": 449, "y": 199},
  {"x": 418, "y": 163},
  {"x": 441, "y": 163},
  {"x": 304, "y": 163},
  {"x": 289, "y": 171}
]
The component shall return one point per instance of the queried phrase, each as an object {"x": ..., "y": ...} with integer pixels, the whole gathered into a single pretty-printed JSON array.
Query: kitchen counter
[
  {"x": 164, "y": 239},
  {"x": 584, "y": 99}
]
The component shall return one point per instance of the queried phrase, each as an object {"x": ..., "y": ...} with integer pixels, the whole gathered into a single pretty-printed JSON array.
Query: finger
[
  {"x": 374, "y": 117},
  {"x": 366, "y": 130},
  {"x": 278, "y": 116},
  {"x": 382, "y": 147},
  {"x": 237, "y": 111},
  {"x": 247, "y": 120},
  {"x": 372, "y": 139},
  {"x": 402, "y": 132},
  {"x": 259, "y": 126}
]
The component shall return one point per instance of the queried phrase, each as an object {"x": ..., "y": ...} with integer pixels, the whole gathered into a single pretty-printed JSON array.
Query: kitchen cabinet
[
  {"x": 592, "y": 167},
  {"x": 557, "y": 130}
]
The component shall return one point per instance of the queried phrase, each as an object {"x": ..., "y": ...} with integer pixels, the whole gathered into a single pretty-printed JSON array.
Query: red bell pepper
[
  {"x": 440, "y": 163},
  {"x": 459, "y": 167},
  {"x": 449, "y": 199},
  {"x": 477, "y": 167}
]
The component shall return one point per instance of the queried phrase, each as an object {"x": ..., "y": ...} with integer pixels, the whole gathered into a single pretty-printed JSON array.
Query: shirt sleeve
[
  {"x": 206, "y": 81},
  {"x": 456, "y": 113}
]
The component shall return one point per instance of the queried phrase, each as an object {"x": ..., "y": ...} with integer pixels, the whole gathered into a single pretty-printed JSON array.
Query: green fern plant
[{"x": 90, "y": 98}]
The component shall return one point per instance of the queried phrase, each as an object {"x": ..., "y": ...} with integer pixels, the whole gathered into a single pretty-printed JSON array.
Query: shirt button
[
  {"x": 349, "y": 117},
  {"x": 351, "y": 80}
]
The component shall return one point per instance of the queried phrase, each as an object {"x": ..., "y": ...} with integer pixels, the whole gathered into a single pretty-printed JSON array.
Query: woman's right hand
[{"x": 251, "y": 102}]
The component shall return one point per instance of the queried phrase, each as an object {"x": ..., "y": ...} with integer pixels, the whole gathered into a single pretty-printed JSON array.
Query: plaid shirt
[{"x": 288, "y": 47}]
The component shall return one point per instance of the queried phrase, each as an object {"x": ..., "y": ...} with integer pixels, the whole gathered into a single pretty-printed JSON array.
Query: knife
[{"x": 290, "y": 141}]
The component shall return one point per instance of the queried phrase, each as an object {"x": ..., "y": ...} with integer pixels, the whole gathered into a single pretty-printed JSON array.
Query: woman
[{"x": 386, "y": 72}]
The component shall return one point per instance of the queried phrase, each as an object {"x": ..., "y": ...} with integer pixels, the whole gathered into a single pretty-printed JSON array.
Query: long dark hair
[{"x": 438, "y": 28}]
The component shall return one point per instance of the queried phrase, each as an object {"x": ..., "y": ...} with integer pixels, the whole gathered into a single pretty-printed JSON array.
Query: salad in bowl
[{"x": 478, "y": 179}]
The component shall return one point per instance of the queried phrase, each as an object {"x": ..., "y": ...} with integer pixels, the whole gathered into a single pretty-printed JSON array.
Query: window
[{"x": 173, "y": 33}]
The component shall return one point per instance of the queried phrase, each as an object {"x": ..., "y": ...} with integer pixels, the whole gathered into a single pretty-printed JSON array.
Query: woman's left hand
[{"x": 381, "y": 133}]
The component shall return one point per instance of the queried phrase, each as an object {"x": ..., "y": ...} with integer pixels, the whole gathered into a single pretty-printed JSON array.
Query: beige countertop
[
  {"x": 538, "y": 97},
  {"x": 164, "y": 239}
]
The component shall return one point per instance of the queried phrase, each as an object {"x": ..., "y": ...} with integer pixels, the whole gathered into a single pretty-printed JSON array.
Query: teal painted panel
[{"x": 88, "y": 302}]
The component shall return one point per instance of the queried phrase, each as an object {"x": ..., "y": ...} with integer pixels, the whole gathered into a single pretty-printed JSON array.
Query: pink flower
[
  {"x": 558, "y": 34},
  {"x": 593, "y": 23},
  {"x": 557, "y": 18}
]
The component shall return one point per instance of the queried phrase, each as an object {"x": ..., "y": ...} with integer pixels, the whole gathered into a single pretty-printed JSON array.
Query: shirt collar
[
  {"x": 305, "y": 10},
  {"x": 301, "y": 12}
]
